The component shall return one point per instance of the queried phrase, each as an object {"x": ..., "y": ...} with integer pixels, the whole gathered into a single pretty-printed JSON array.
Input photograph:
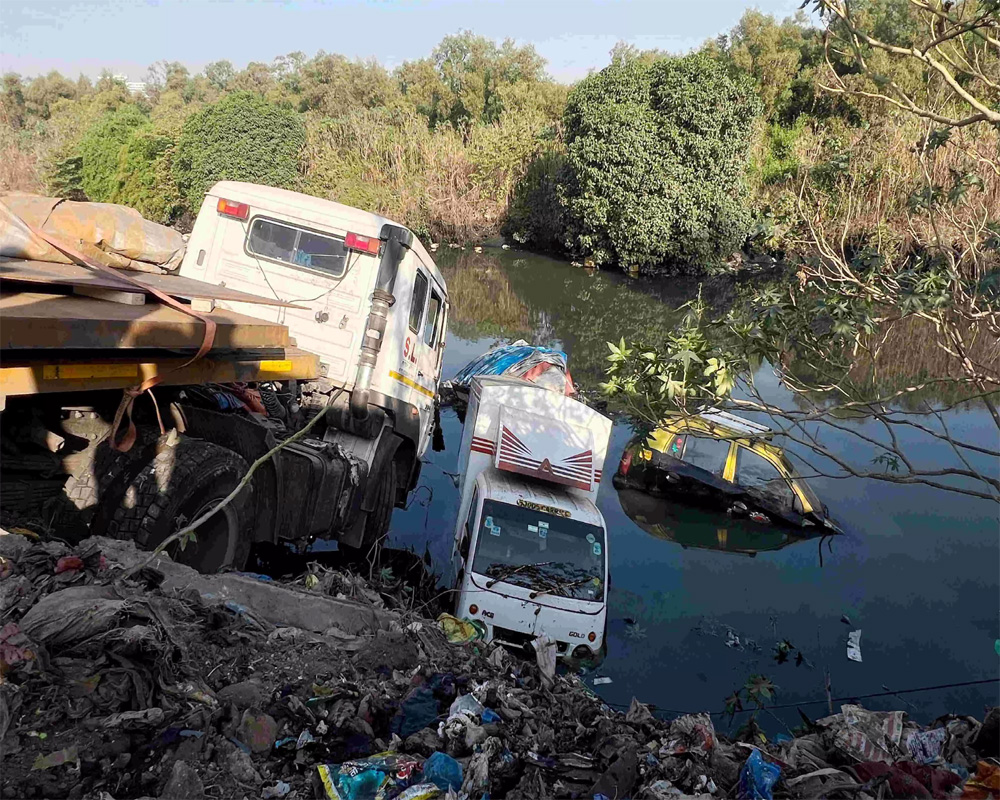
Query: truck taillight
[
  {"x": 366, "y": 244},
  {"x": 591, "y": 637},
  {"x": 473, "y": 609},
  {"x": 230, "y": 208}
]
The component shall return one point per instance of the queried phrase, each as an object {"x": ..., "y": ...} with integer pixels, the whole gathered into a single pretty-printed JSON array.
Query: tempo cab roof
[{"x": 317, "y": 211}]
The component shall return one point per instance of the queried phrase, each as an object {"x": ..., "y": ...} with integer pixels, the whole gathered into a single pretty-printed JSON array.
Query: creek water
[{"x": 916, "y": 569}]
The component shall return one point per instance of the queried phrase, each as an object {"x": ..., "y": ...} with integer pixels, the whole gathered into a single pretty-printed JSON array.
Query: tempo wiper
[
  {"x": 509, "y": 572},
  {"x": 563, "y": 586}
]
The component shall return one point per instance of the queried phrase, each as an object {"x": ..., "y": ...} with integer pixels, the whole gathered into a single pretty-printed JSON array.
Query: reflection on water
[
  {"x": 689, "y": 526},
  {"x": 917, "y": 570}
]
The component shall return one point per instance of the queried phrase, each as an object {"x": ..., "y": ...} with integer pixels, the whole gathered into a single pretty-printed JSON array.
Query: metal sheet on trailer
[
  {"x": 35, "y": 320},
  {"x": 51, "y": 274}
]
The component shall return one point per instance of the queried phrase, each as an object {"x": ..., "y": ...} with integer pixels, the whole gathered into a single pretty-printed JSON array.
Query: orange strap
[{"x": 128, "y": 398}]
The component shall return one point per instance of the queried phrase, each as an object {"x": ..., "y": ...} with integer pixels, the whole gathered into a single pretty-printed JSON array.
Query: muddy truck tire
[{"x": 183, "y": 482}]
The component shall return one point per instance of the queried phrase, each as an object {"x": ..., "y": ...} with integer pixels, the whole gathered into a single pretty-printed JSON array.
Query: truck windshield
[{"x": 563, "y": 557}]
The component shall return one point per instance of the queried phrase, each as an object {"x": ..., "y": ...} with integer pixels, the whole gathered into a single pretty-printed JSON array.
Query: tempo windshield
[{"x": 535, "y": 549}]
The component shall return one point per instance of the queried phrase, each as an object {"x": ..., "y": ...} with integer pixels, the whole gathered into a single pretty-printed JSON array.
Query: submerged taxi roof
[{"x": 726, "y": 426}]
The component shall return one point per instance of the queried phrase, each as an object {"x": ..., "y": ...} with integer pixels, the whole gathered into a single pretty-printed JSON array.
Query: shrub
[
  {"x": 243, "y": 137},
  {"x": 144, "y": 179},
  {"x": 536, "y": 217},
  {"x": 659, "y": 153},
  {"x": 779, "y": 160},
  {"x": 100, "y": 147}
]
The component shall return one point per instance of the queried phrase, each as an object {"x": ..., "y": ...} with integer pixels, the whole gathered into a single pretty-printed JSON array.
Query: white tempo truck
[{"x": 531, "y": 550}]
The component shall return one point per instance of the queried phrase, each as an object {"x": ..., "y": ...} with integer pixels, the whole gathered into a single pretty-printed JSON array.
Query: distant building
[{"x": 134, "y": 87}]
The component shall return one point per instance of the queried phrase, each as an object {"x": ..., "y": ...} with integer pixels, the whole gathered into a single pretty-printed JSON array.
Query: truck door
[{"x": 421, "y": 349}]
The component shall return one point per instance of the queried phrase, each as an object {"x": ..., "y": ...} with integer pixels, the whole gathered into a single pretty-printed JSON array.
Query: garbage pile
[{"x": 128, "y": 677}]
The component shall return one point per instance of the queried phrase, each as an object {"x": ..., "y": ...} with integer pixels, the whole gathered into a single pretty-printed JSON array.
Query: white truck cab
[
  {"x": 369, "y": 301},
  {"x": 531, "y": 547}
]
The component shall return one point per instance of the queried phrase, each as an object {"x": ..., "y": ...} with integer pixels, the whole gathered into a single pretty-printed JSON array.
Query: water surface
[{"x": 917, "y": 570}]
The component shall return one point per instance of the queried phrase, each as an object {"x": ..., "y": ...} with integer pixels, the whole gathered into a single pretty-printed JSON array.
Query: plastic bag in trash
[
  {"x": 466, "y": 704},
  {"x": 71, "y": 615},
  {"x": 866, "y": 735},
  {"x": 372, "y": 778},
  {"x": 443, "y": 771},
  {"x": 925, "y": 746},
  {"x": 422, "y": 791},
  {"x": 459, "y": 631},
  {"x": 984, "y": 784},
  {"x": 692, "y": 733},
  {"x": 545, "y": 654},
  {"x": 854, "y": 646},
  {"x": 757, "y": 778}
]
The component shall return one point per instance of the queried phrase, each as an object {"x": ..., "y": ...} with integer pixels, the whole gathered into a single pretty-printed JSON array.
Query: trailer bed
[
  {"x": 51, "y": 341},
  {"x": 47, "y": 273}
]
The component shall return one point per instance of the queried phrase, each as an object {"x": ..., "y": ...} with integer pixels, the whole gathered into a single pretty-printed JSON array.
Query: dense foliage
[
  {"x": 99, "y": 149},
  {"x": 243, "y": 137},
  {"x": 659, "y": 155},
  {"x": 654, "y": 162}
]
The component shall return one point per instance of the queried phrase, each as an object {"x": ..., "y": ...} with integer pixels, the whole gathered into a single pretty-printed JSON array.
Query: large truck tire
[
  {"x": 182, "y": 483},
  {"x": 377, "y": 523}
]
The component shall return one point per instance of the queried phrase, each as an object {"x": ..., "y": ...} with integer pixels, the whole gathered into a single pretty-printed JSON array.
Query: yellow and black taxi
[{"x": 719, "y": 460}]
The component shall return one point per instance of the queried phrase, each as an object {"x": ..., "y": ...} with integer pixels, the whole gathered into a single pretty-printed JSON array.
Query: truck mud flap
[{"x": 384, "y": 455}]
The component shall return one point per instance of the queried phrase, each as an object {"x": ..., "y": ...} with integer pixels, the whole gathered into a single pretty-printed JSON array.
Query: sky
[{"x": 126, "y": 36}]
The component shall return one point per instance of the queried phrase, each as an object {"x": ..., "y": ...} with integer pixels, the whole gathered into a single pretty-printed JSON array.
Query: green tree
[
  {"x": 473, "y": 69},
  {"x": 658, "y": 152},
  {"x": 781, "y": 57},
  {"x": 100, "y": 147},
  {"x": 243, "y": 137},
  {"x": 335, "y": 85},
  {"x": 144, "y": 178},
  {"x": 13, "y": 109},
  {"x": 45, "y": 90},
  {"x": 220, "y": 74},
  {"x": 423, "y": 88}
]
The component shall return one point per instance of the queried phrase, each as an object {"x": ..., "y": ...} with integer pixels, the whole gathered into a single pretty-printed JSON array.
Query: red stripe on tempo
[
  {"x": 510, "y": 439},
  {"x": 557, "y": 469}
]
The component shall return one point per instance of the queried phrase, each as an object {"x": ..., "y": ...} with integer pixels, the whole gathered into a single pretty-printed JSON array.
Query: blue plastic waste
[
  {"x": 418, "y": 710},
  {"x": 489, "y": 715},
  {"x": 502, "y": 359},
  {"x": 443, "y": 771},
  {"x": 757, "y": 778},
  {"x": 782, "y": 737}
]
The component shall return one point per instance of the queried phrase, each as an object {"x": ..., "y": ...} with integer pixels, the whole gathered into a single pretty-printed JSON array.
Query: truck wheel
[
  {"x": 377, "y": 524},
  {"x": 181, "y": 484}
]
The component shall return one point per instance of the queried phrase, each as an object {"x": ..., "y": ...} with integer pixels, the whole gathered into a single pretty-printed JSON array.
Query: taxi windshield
[{"x": 541, "y": 551}]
